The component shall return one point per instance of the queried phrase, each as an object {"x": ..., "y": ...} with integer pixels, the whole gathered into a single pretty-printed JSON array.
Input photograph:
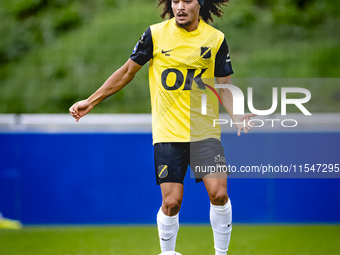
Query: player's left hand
[{"x": 244, "y": 118}]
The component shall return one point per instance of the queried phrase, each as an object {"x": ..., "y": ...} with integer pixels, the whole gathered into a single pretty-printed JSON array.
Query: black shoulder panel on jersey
[
  {"x": 222, "y": 62},
  {"x": 143, "y": 50}
]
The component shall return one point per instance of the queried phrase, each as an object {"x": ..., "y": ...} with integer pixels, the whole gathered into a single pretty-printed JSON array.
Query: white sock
[
  {"x": 167, "y": 230},
  {"x": 220, "y": 218}
]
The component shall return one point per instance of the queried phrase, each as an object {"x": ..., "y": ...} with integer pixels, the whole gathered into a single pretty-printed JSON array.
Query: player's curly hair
[{"x": 210, "y": 8}]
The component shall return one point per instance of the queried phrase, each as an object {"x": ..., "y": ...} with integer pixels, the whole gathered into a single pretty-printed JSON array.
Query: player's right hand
[{"x": 80, "y": 109}]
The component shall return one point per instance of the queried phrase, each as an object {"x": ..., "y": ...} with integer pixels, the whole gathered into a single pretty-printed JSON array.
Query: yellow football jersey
[{"x": 182, "y": 67}]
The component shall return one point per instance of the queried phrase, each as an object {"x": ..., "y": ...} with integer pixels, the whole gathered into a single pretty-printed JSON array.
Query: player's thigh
[
  {"x": 216, "y": 186},
  {"x": 216, "y": 182},
  {"x": 172, "y": 191},
  {"x": 172, "y": 194}
]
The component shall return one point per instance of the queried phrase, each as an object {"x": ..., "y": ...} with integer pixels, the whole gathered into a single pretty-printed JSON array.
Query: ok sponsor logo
[
  {"x": 189, "y": 78},
  {"x": 180, "y": 79}
]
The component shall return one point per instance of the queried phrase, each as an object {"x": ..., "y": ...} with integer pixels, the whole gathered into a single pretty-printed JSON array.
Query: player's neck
[{"x": 192, "y": 26}]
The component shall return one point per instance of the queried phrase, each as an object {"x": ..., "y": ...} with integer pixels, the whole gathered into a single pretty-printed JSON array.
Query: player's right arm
[
  {"x": 141, "y": 54},
  {"x": 112, "y": 85}
]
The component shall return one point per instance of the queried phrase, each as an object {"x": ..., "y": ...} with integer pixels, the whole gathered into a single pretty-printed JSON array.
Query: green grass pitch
[{"x": 192, "y": 240}]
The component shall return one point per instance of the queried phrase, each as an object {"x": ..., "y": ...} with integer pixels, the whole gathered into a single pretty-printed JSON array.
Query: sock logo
[
  {"x": 229, "y": 225},
  {"x": 167, "y": 239},
  {"x": 162, "y": 171}
]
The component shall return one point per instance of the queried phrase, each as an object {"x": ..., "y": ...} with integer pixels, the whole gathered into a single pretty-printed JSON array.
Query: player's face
[{"x": 186, "y": 13}]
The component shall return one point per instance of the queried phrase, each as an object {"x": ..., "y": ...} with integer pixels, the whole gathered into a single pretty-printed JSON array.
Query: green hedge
[
  {"x": 50, "y": 65},
  {"x": 28, "y": 24},
  {"x": 306, "y": 13}
]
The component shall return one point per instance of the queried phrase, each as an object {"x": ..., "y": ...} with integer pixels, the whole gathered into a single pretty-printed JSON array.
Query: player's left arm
[{"x": 227, "y": 101}]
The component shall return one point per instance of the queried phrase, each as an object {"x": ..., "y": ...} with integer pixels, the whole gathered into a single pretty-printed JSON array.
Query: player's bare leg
[
  {"x": 167, "y": 217},
  {"x": 172, "y": 194},
  {"x": 220, "y": 211}
]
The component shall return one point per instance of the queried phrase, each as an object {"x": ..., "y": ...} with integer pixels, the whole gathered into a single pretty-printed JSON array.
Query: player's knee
[
  {"x": 172, "y": 205},
  {"x": 219, "y": 197}
]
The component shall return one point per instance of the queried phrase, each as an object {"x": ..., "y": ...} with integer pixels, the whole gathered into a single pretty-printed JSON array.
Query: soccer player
[{"x": 182, "y": 52}]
